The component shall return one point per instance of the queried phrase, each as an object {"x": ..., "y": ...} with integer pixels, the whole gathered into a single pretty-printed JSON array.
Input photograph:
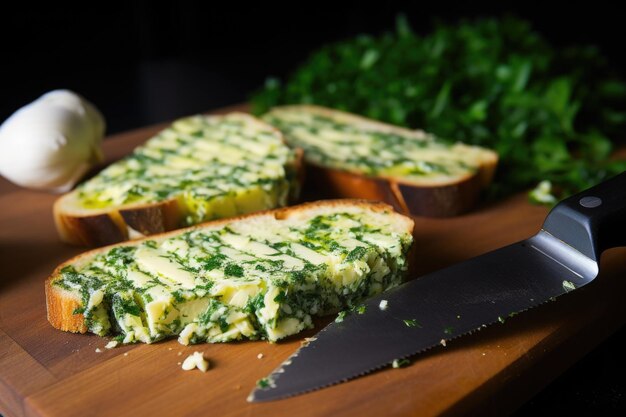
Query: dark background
[{"x": 140, "y": 64}]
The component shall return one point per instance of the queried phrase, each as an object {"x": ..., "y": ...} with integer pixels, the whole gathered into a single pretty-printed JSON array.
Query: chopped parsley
[
  {"x": 78, "y": 310},
  {"x": 263, "y": 383},
  {"x": 213, "y": 262},
  {"x": 492, "y": 82},
  {"x": 280, "y": 298},
  {"x": 356, "y": 254},
  {"x": 411, "y": 323},
  {"x": 233, "y": 270},
  {"x": 400, "y": 363},
  {"x": 341, "y": 316},
  {"x": 360, "y": 309},
  {"x": 178, "y": 296}
]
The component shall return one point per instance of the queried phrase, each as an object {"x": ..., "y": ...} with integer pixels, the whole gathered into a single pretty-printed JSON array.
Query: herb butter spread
[
  {"x": 338, "y": 140},
  {"x": 215, "y": 166},
  {"x": 259, "y": 277}
]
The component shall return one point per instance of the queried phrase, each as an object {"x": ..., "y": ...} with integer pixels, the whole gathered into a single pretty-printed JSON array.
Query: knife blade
[{"x": 463, "y": 298}]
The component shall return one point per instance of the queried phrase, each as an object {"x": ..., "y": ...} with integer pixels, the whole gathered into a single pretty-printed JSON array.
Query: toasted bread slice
[
  {"x": 261, "y": 275},
  {"x": 200, "y": 168},
  {"x": 357, "y": 157}
]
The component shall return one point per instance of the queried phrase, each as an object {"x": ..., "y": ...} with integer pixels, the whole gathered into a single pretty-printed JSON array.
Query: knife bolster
[{"x": 593, "y": 220}]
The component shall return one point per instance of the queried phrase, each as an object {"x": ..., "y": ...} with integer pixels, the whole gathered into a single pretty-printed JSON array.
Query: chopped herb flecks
[
  {"x": 411, "y": 323},
  {"x": 244, "y": 280},
  {"x": 360, "y": 309},
  {"x": 263, "y": 383},
  {"x": 400, "y": 363},
  {"x": 234, "y": 270},
  {"x": 341, "y": 316}
]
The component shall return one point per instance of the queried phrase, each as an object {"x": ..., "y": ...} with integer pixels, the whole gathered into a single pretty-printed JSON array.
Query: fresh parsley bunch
[{"x": 548, "y": 112}]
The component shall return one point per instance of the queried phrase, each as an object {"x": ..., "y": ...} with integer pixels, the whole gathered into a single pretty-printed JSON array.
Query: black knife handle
[{"x": 593, "y": 220}]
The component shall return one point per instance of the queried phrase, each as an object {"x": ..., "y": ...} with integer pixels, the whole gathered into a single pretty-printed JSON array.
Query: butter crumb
[
  {"x": 307, "y": 341},
  {"x": 196, "y": 360}
]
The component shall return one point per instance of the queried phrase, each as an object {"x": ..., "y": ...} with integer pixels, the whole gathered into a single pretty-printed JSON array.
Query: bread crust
[
  {"x": 422, "y": 198},
  {"x": 430, "y": 201},
  {"x": 61, "y": 304}
]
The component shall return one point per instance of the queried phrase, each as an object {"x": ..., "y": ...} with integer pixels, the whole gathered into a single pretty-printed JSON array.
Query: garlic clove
[{"x": 52, "y": 142}]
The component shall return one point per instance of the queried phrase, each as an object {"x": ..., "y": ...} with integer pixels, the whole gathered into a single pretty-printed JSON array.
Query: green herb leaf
[
  {"x": 341, "y": 316},
  {"x": 360, "y": 309},
  {"x": 411, "y": 323},
  {"x": 78, "y": 310},
  {"x": 263, "y": 383},
  {"x": 400, "y": 363},
  {"x": 494, "y": 82},
  {"x": 233, "y": 270}
]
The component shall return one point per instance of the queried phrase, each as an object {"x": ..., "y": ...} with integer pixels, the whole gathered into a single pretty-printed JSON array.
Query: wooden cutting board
[{"x": 45, "y": 372}]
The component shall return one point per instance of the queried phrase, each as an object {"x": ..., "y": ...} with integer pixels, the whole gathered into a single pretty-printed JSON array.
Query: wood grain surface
[{"x": 45, "y": 372}]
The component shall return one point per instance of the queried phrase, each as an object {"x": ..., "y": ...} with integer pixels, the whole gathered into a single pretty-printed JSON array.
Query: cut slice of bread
[
  {"x": 201, "y": 168},
  {"x": 261, "y": 275},
  {"x": 356, "y": 157}
]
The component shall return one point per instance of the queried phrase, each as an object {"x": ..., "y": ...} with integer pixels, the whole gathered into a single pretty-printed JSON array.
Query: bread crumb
[
  {"x": 195, "y": 360},
  {"x": 383, "y": 305},
  {"x": 126, "y": 354},
  {"x": 260, "y": 356},
  {"x": 307, "y": 341},
  {"x": 443, "y": 342},
  {"x": 98, "y": 350},
  {"x": 170, "y": 348},
  {"x": 111, "y": 344},
  {"x": 180, "y": 353}
]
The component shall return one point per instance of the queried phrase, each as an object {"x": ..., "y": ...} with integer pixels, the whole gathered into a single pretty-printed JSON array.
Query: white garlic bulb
[{"x": 52, "y": 142}]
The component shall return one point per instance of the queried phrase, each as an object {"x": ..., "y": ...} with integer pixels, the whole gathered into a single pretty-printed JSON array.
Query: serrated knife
[{"x": 425, "y": 312}]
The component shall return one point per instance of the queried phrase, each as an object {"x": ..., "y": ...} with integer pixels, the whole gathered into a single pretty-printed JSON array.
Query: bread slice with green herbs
[
  {"x": 259, "y": 276},
  {"x": 356, "y": 157},
  {"x": 201, "y": 168}
]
